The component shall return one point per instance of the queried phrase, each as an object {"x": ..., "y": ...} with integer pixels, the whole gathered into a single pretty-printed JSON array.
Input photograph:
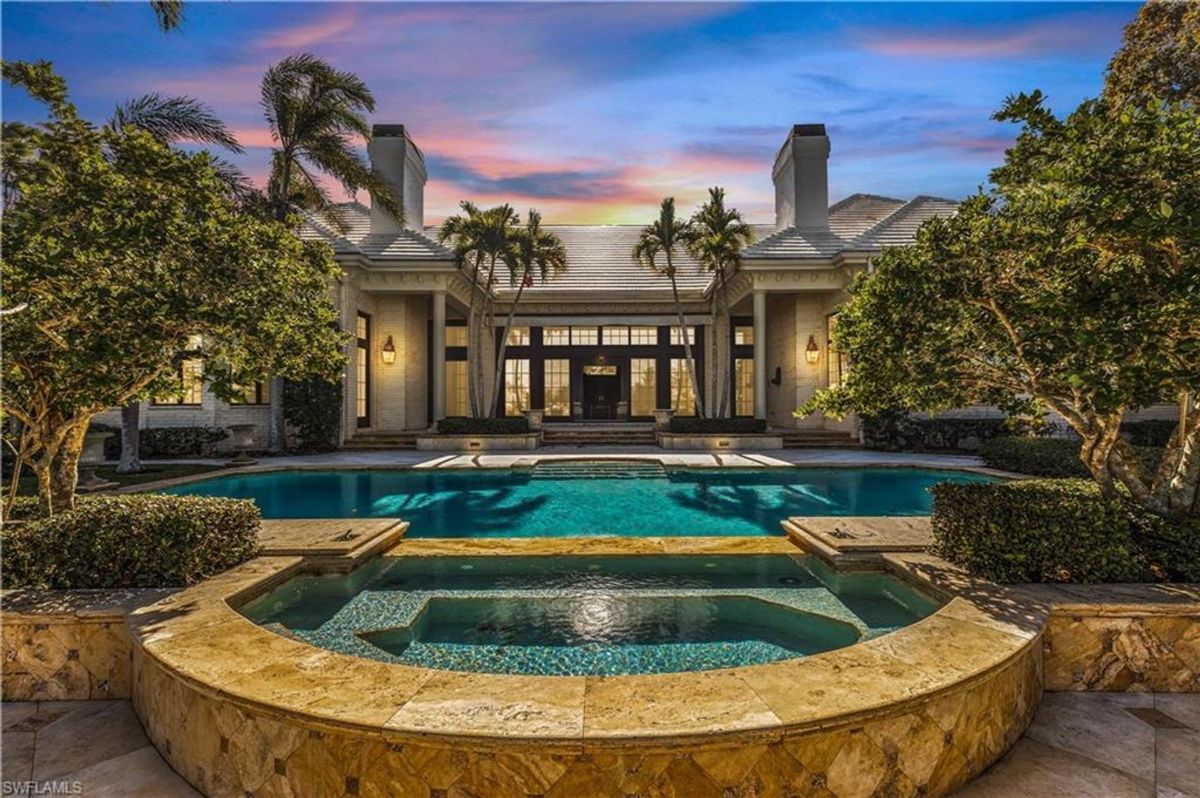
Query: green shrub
[
  {"x": 314, "y": 408},
  {"x": 1039, "y": 457},
  {"x": 168, "y": 441},
  {"x": 483, "y": 426},
  {"x": 137, "y": 540},
  {"x": 692, "y": 425},
  {"x": 903, "y": 432},
  {"x": 1058, "y": 530}
]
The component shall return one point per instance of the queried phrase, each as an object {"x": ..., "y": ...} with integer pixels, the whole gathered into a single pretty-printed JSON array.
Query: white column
[
  {"x": 439, "y": 355},
  {"x": 760, "y": 354}
]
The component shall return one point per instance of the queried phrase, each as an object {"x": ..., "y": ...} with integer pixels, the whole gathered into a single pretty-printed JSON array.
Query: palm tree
[
  {"x": 531, "y": 250},
  {"x": 715, "y": 237},
  {"x": 168, "y": 12},
  {"x": 663, "y": 237},
  {"x": 170, "y": 120},
  {"x": 481, "y": 238},
  {"x": 315, "y": 114}
]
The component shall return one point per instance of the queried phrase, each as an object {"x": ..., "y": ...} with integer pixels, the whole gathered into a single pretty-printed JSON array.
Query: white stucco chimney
[
  {"x": 801, "y": 177},
  {"x": 398, "y": 160}
]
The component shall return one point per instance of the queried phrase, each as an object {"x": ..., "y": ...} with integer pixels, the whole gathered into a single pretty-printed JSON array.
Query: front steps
[
  {"x": 598, "y": 435},
  {"x": 613, "y": 434},
  {"x": 380, "y": 441}
]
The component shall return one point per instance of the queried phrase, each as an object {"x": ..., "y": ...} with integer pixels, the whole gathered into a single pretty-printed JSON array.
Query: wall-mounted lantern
[
  {"x": 389, "y": 351},
  {"x": 777, "y": 377},
  {"x": 812, "y": 352}
]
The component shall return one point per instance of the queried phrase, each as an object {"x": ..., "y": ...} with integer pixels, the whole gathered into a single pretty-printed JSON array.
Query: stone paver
[
  {"x": 91, "y": 748},
  {"x": 1102, "y": 745}
]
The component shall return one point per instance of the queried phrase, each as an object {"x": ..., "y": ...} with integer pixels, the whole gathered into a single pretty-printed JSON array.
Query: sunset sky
[{"x": 594, "y": 112}]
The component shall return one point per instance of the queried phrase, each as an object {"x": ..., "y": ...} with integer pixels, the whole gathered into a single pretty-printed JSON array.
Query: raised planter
[
  {"x": 715, "y": 442},
  {"x": 479, "y": 443}
]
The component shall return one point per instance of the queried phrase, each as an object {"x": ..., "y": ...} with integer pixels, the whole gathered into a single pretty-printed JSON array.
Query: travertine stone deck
[
  {"x": 351, "y": 538},
  {"x": 837, "y": 537},
  {"x": 424, "y": 547}
]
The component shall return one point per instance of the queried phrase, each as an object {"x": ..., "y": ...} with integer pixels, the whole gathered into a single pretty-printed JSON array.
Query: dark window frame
[{"x": 363, "y": 344}]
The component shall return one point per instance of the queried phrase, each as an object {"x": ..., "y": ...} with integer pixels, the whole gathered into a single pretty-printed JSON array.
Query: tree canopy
[
  {"x": 1072, "y": 285},
  {"x": 1160, "y": 57},
  {"x": 130, "y": 257}
]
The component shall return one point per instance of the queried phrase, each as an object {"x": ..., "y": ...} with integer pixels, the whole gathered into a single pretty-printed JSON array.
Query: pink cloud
[
  {"x": 1060, "y": 35},
  {"x": 320, "y": 31}
]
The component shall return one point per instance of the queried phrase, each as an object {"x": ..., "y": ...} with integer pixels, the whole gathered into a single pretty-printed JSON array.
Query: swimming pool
[
  {"x": 583, "y": 499},
  {"x": 571, "y": 615}
]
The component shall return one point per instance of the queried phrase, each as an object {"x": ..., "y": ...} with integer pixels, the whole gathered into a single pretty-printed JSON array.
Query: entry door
[{"x": 601, "y": 392}]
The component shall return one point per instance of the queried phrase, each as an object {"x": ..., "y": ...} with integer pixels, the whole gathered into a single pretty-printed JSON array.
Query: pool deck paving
[{"x": 1080, "y": 745}]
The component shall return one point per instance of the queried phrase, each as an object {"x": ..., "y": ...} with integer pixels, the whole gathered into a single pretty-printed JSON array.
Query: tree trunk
[
  {"x": 498, "y": 380},
  {"x": 726, "y": 364},
  {"x": 473, "y": 343},
  {"x": 687, "y": 341},
  {"x": 276, "y": 425},
  {"x": 131, "y": 435},
  {"x": 58, "y": 470},
  {"x": 486, "y": 331}
]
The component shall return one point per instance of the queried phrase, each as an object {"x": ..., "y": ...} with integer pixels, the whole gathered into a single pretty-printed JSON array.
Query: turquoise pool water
[
  {"x": 564, "y": 501},
  {"x": 568, "y": 615}
]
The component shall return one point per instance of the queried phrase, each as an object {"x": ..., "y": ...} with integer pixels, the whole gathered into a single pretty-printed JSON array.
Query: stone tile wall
[
  {"x": 1123, "y": 653},
  {"x": 72, "y": 660}
]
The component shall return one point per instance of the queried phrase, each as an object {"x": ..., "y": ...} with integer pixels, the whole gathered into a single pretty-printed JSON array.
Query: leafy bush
[
  {"x": 904, "y": 432},
  {"x": 692, "y": 425},
  {"x": 314, "y": 408},
  {"x": 1151, "y": 432},
  {"x": 1039, "y": 457},
  {"x": 139, "y": 540},
  {"x": 483, "y": 426},
  {"x": 1060, "y": 530},
  {"x": 167, "y": 441}
]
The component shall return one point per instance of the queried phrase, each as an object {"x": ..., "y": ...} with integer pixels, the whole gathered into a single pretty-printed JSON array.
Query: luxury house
[{"x": 602, "y": 340}]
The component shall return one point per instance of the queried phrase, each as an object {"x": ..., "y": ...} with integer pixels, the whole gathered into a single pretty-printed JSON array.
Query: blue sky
[{"x": 593, "y": 112}]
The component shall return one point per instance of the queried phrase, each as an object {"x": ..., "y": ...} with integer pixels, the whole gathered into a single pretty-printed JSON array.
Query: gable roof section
[
  {"x": 900, "y": 227},
  {"x": 357, "y": 239}
]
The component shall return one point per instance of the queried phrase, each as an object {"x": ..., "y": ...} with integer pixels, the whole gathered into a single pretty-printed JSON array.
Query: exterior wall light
[
  {"x": 389, "y": 351},
  {"x": 812, "y": 352}
]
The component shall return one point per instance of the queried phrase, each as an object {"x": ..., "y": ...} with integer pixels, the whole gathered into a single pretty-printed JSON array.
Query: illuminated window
[
  {"x": 585, "y": 336},
  {"x": 191, "y": 381},
  {"x": 743, "y": 382},
  {"x": 556, "y": 336},
  {"x": 257, "y": 394},
  {"x": 516, "y": 387},
  {"x": 683, "y": 395},
  {"x": 558, "y": 387},
  {"x": 643, "y": 393},
  {"x": 838, "y": 362},
  {"x": 643, "y": 336},
  {"x": 362, "y": 382},
  {"x": 616, "y": 336},
  {"x": 677, "y": 336},
  {"x": 518, "y": 336},
  {"x": 456, "y": 335},
  {"x": 743, "y": 336},
  {"x": 456, "y": 388}
]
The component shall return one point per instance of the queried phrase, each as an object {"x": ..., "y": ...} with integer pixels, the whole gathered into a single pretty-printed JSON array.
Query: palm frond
[
  {"x": 174, "y": 119},
  {"x": 168, "y": 12}
]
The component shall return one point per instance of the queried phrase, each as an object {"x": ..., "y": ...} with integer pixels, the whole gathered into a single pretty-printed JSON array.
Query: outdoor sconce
[
  {"x": 812, "y": 352},
  {"x": 777, "y": 378},
  {"x": 389, "y": 351}
]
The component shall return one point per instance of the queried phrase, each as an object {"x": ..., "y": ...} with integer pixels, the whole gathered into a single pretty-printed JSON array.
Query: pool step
[
  {"x": 617, "y": 435},
  {"x": 376, "y": 441},
  {"x": 598, "y": 469},
  {"x": 818, "y": 439}
]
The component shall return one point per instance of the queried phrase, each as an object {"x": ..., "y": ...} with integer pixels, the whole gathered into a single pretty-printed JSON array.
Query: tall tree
[
  {"x": 1159, "y": 58},
  {"x": 661, "y": 239},
  {"x": 1072, "y": 286},
  {"x": 125, "y": 252},
  {"x": 532, "y": 252},
  {"x": 168, "y": 12},
  {"x": 481, "y": 238},
  {"x": 716, "y": 236},
  {"x": 315, "y": 114},
  {"x": 170, "y": 120}
]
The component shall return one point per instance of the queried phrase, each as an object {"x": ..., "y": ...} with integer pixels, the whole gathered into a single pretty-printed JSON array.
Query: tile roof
[
  {"x": 357, "y": 239},
  {"x": 901, "y": 226}
]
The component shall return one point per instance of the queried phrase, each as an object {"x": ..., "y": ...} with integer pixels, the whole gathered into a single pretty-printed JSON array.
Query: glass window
[
  {"x": 838, "y": 361},
  {"x": 556, "y": 336},
  {"x": 743, "y": 336},
  {"x": 362, "y": 383},
  {"x": 616, "y": 336},
  {"x": 643, "y": 393},
  {"x": 456, "y": 335},
  {"x": 643, "y": 336},
  {"x": 518, "y": 336},
  {"x": 558, "y": 387},
  {"x": 191, "y": 381},
  {"x": 585, "y": 336},
  {"x": 456, "y": 388},
  {"x": 516, "y": 387},
  {"x": 743, "y": 386},
  {"x": 257, "y": 394},
  {"x": 677, "y": 336},
  {"x": 683, "y": 396}
]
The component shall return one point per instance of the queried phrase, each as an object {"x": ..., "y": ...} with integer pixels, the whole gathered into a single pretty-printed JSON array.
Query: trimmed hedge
[
  {"x": 1039, "y": 457},
  {"x": 691, "y": 425},
  {"x": 1058, "y": 530},
  {"x": 314, "y": 408},
  {"x": 483, "y": 426},
  {"x": 138, "y": 540},
  {"x": 168, "y": 441},
  {"x": 902, "y": 432}
]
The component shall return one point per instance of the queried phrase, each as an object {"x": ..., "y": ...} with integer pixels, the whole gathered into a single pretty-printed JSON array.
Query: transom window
[
  {"x": 677, "y": 336},
  {"x": 616, "y": 336},
  {"x": 585, "y": 336},
  {"x": 556, "y": 336},
  {"x": 643, "y": 336},
  {"x": 518, "y": 336},
  {"x": 456, "y": 335},
  {"x": 743, "y": 335}
]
